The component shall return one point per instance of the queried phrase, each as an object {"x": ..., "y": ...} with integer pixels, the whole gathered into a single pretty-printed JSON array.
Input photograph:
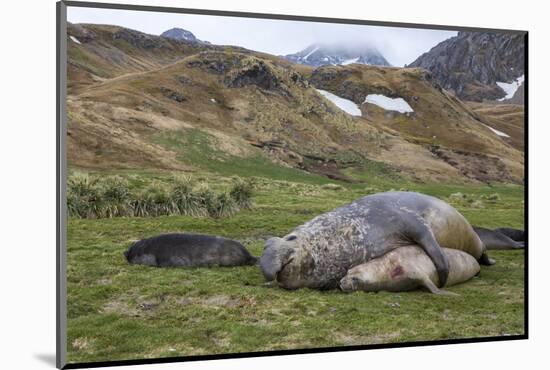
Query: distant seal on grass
[
  {"x": 408, "y": 268},
  {"x": 494, "y": 239},
  {"x": 318, "y": 253},
  {"x": 188, "y": 250},
  {"x": 517, "y": 235}
]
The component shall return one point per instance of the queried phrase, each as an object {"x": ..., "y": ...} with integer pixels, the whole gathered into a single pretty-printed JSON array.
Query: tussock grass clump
[
  {"x": 112, "y": 196},
  {"x": 83, "y": 197},
  {"x": 154, "y": 201},
  {"x": 222, "y": 205},
  {"x": 216, "y": 205},
  {"x": 477, "y": 204},
  {"x": 116, "y": 197},
  {"x": 185, "y": 199},
  {"x": 242, "y": 192},
  {"x": 495, "y": 197},
  {"x": 139, "y": 205},
  {"x": 457, "y": 197},
  {"x": 371, "y": 190},
  {"x": 334, "y": 187},
  {"x": 470, "y": 200}
]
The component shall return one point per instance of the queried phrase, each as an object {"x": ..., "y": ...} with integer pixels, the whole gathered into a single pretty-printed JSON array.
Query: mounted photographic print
[{"x": 236, "y": 184}]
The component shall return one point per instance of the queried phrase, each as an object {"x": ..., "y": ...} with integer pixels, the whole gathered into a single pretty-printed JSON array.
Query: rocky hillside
[
  {"x": 453, "y": 131},
  {"x": 149, "y": 102},
  {"x": 472, "y": 63},
  {"x": 333, "y": 54},
  {"x": 518, "y": 97},
  {"x": 179, "y": 34},
  {"x": 507, "y": 118},
  {"x": 100, "y": 52}
]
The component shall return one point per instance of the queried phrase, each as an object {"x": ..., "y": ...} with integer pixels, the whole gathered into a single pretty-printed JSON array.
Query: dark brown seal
[
  {"x": 496, "y": 239},
  {"x": 188, "y": 250}
]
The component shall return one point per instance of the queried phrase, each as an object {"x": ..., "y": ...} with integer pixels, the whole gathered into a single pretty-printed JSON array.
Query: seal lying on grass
[
  {"x": 495, "y": 239},
  {"x": 188, "y": 250},
  {"x": 408, "y": 268},
  {"x": 517, "y": 235},
  {"x": 318, "y": 253}
]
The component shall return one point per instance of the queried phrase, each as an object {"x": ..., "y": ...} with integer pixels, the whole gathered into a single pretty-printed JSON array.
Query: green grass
[
  {"x": 194, "y": 147},
  {"x": 120, "y": 311}
]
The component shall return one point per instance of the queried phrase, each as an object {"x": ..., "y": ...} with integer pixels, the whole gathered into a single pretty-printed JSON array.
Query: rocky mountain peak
[
  {"x": 473, "y": 64},
  {"x": 179, "y": 34},
  {"x": 320, "y": 54}
]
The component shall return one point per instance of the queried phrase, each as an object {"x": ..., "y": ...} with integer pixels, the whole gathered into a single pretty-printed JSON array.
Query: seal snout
[
  {"x": 270, "y": 262},
  {"x": 276, "y": 256},
  {"x": 348, "y": 284}
]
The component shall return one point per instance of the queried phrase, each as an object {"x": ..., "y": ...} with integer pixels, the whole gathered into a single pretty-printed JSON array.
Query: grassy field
[{"x": 119, "y": 311}]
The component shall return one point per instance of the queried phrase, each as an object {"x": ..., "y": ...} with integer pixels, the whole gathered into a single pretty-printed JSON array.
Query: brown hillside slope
[
  {"x": 101, "y": 52},
  {"x": 440, "y": 120},
  {"x": 250, "y": 99},
  {"x": 215, "y": 103},
  {"x": 508, "y": 118}
]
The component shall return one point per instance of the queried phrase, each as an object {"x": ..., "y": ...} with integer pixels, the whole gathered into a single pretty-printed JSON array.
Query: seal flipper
[
  {"x": 520, "y": 245},
  {"x": 428, "y": 284},
  {"x": 493, "y": 239},
  {"x": 486, "y": 260},
  {"x": 423, "y": 236}
]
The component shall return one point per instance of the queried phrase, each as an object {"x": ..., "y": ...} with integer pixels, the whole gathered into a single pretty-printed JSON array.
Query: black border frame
[{"x": 61, "y": 171}]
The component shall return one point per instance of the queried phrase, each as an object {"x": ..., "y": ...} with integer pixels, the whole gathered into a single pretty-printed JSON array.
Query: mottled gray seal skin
[
  {"x": 188, "y": 250},
  {"x": 517, "y": 235},
  {"x": 494, "y": 239},
  {"x": 408, "y": 268},
  {"x": 318, "y": 253}
]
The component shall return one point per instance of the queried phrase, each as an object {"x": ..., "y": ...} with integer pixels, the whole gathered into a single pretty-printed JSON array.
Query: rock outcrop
[{"x": 471, "y": 63}]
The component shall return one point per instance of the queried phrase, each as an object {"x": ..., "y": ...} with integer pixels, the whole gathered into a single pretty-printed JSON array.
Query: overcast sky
[{"x": 400, "y": 46}]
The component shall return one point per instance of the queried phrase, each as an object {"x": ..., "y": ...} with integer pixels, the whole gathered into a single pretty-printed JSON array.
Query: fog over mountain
[
  {"x": 399, "y": 46},
  {"x": 342, "y": 53}
]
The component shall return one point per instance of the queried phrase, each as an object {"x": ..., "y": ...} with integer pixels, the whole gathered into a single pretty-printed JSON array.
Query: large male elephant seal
[
  {"x": 188, "y": 250},
  {"x": 494, "y": 239},
  {"x": 408, "y": 268},
  {"x": 318, "y": 253}
]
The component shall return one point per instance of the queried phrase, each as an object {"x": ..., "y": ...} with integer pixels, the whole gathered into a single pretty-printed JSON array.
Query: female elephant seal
[
  {"x": 408, "y": 268},
  {"x": 318, "y": 253},
  {"x": 188, "y": 250}
]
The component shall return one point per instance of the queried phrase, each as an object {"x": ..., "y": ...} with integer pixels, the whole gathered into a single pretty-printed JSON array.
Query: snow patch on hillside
[
  {"x": 350, "y": 61},
  {"x": 311, "y": 52},
  {"x": 344, "y": 104},
  {"x": 393, "y": 104},
  {"x": 511, "y": 88},
  {"x": 499, "y": 133},
  {"x": 75, "y": 39}
]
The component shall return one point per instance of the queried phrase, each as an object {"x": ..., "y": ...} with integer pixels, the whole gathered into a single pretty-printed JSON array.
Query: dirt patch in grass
[
  {"x": 125, "y": 305},
  {"x": 120, "y": 307},
  {"x": 219, "y": 300},
  {"x": 81, "y": 344},
  {"x": 104, "y": 282},
  {"x": 347, "y": 339},
  {"x": 176, "y": 349}
]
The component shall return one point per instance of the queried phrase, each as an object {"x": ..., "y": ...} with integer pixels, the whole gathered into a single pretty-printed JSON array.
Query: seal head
[{"x": 285, "y": 261}]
